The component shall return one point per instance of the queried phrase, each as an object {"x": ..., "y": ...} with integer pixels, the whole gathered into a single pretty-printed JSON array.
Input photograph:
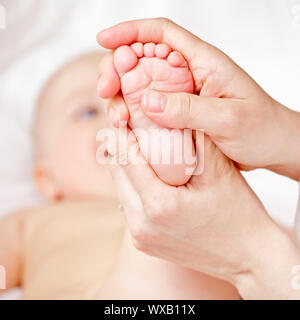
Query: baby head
[{"x": 69, "y": 114}]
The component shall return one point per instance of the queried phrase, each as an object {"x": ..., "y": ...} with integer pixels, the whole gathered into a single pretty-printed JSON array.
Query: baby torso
[{"x": 70, "y": 248}]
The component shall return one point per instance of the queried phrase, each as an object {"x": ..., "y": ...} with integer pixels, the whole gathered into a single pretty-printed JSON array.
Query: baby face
[{"x": 68, "y": 118}]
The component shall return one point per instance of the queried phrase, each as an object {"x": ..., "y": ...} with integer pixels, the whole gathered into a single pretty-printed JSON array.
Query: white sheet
[{"x": 260, "y": 35}]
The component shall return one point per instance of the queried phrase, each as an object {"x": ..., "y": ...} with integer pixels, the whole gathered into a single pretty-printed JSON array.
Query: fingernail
[{"x": 154, "y": 101}]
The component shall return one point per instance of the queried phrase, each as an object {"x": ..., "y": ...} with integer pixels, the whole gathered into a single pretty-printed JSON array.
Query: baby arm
[{"x": 11, "y": 230}]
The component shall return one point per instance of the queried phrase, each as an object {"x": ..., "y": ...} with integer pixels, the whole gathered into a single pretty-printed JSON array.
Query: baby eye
[{"x": 88, "y": 113}]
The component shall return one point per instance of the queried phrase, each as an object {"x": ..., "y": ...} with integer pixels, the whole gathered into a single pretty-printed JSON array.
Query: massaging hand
[
  {"x": 214, "y": 224},
  {"x": 204, "y": 225},
  {"x": 240, "y": 117}
]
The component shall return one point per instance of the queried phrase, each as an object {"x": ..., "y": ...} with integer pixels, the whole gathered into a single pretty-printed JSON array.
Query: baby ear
[{"x": 45, "y": 182}]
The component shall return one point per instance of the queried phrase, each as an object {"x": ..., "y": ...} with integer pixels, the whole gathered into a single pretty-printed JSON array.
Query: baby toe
[
  {"x": 138, "y": 48},
  {"x": 149, "y": 50},
  {"x": 124, "y": 59},
  {"x": 162, "y": 50}
]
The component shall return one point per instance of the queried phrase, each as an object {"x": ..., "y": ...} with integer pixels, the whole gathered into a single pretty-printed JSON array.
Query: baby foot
[{"x": 150, "y": 66}]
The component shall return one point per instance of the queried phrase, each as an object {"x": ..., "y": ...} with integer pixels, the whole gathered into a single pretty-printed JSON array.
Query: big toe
[{"x": 125, "y": 59}]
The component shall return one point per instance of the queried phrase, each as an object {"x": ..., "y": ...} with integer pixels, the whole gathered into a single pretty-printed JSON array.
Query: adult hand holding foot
[
  {"x": 240, "y": 117},
  {"x": 214, "y": 224},
  {"x": 199, "y": 225}
]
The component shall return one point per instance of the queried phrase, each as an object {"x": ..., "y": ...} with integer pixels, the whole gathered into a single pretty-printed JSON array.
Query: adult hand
[
  {"x": 214, "y": 224},
  {"x": 240, "y": 117}
]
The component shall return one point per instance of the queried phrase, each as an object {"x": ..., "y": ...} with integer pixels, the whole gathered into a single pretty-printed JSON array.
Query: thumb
[{"x": 188, "y": 111}]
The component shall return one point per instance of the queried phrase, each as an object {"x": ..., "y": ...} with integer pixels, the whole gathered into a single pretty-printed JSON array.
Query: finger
[
  {"x": 212, "y": 164},
  {"x": 188, "y": 111},
  {"x": 202, "y": 143},
  {"x": 118, "y": 111},
  {"x": 129, "y": 198},
  {"x": 159, "y": 30},
  {"x": 127, "y": 195},
  {"x": 109, "y": 82},
  {"x": 132, "y": 163}
]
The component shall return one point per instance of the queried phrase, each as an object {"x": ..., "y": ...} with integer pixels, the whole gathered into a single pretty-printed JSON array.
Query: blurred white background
[{"x": 263, "y": 36}]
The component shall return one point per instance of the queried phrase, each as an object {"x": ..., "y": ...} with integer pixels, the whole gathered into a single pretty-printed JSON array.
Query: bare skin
[
  {"x": 78, "y": 194},
  {"x": 150, "y": 66},
  {"x": 80, "y": 198},
  {"x": 237, "y": 114},
  {"x": 138, "y": 276},
  {"x": 249, "y": 127},
  {"x": 69, "y": 248}
]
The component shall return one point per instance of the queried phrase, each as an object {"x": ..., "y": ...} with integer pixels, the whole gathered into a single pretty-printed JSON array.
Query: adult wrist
[
  {"x": 274, "y": 267},
  {"x": 286, "y": 143}
]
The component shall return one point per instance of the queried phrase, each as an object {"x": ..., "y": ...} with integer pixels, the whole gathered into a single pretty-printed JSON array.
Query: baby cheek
[
  {"x": 73, "y": 153},
  {"x": 81, "y": 149},
  {"x": 76, "y": 169}
]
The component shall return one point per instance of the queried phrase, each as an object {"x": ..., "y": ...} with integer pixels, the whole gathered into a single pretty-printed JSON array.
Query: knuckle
[
  {"x": 138, "y": 233},
  {"x": 187, "y": 108},
  {"x": 160, "y": 212},
  {"x": 181, "y": 107},
  {"x": 148, "y": 242},
  {"x": 138, "y": 245},
  {"x": 142, "y": 237},
  {"x": 154, "y": 211},
  {"x": 233, "y": 118}
]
